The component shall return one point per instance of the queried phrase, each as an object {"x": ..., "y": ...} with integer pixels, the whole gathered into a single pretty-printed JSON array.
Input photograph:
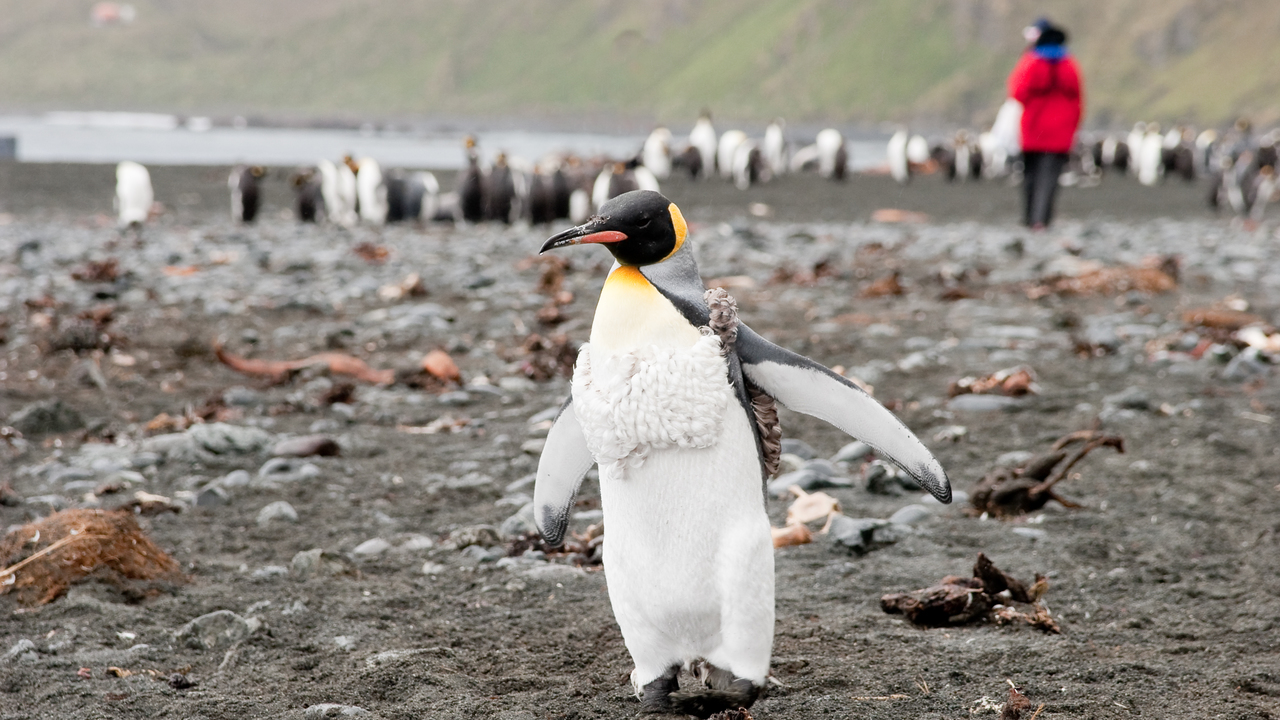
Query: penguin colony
[
  {"x": 667, "y": 400},
  {"x": 1239, "y": 165}
]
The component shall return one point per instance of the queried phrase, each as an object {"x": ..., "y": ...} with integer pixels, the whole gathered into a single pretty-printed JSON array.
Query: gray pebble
[
  {"x": 1030, "y": 533},
  {"x": 333, "y": 710},
  {"x": 371, "y": 548},
  {"x": 278, "y": 510},
  {"x": 239, "y": 396},
  {"x": 1014, "y": 458},
  {"x": 853, "y": 452},
  {"x": 1247, "y": 365},
  {"x": 306, "y": 446},
  {"x": 320, "y": 563},
  {"x": 799, "y": 448},
  {"x": 216, "y": 629},
  {"x": 521, "y": 523},
  {"x": 233, "y": 479},
  {"x": 46, "y": 416},
  {"x": 1131, "y": 398},
  {"x": 456, "y": 398},
  {"x": 345, "y": 643},
  {"x": 534, "y": 446},
  {"x": 270, "y": 572},
  {"x": 854, "y": 533},
  {"x": 980, "y": 403},
  {"x": 286, "y": 470},
  {"x": 910, "y": 515},
  {"x": 22, "y": 651}
]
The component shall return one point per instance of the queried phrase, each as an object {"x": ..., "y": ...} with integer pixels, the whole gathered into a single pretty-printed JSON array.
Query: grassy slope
[{"x": 870, "y": 60}]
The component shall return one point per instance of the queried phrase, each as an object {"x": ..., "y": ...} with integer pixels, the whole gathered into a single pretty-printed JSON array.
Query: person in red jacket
[{"x": 1046, "y": 81}]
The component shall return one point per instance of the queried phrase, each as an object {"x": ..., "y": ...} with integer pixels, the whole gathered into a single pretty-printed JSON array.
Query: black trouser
[{"x": 1040, "y": 171}]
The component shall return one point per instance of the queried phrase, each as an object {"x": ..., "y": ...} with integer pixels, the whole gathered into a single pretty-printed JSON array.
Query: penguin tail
[{"x": 706, "y": 702}]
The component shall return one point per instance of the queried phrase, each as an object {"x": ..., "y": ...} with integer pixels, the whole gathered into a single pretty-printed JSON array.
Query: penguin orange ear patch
[{"x": 681, "y": 227}]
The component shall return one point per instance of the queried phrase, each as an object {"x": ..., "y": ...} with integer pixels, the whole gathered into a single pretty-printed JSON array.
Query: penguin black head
[{"x": 640, "y": 228}]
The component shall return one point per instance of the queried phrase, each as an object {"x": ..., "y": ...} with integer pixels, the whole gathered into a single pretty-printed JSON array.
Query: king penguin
[{"x": 672, "y": 398}]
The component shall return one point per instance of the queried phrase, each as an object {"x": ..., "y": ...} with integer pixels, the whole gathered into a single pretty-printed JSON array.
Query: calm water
[{"x": 162, "y": 140}]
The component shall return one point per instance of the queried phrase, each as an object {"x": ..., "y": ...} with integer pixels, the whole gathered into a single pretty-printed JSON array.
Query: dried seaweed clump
[
  {"x": 985, "y": 597},
  {"x": 43, "y": 559},
  {"x": 1006, "y": 492}
]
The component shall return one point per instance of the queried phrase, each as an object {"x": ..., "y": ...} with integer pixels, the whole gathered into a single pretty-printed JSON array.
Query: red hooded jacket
[{"x": 1052, "y": 101}]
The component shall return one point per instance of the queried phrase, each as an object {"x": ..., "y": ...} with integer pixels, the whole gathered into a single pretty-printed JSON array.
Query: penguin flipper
[
  {"x": 807, "y": 387},
  {"x": 565, "y": 460}
]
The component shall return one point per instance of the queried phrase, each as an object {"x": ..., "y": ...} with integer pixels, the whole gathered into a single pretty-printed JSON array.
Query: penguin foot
[
  {"x": 724, "y": 692},
  {"x": 657, "y": 694}
]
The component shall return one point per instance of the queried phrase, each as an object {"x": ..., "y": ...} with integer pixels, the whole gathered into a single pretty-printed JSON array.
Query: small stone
[
  {"x": 278, "y": 510},
  {"x": 286, "y": 470},
  {"x": 534, "y": 446},
  {"x": 22, "y": 651},
  {"x": 216, "y": 629},
  {"x": 241, "y": 397},
  {"x": 1030, "y": 533},
  {"x": 981, "y": 403},
  {"x": 550, "y": 413},
  {"x": 235, "y": 478},
  {"x": 910, "y": 515},
  {"x": 319, "y": 563},
  {"x": 482, "y": 535},
  {"x": 227, "y": 440},
  {"x": 416, "y": 543},
  {"x": 1014, "y": 458},
  {"x": 522, "y": 483},
  {"x": 815, "y": 474},
  {"x": 432, "y": 568},
  {"x": 854, "y": 534},
  {"x": 343, "y": 410},
  {"x": 307, "y": 446},
  {"x": 521, "y": 523},
  {"x": 178, "y": 681},
  {"x": 788, "y": 463},
  {"x": 45, "y": 417},
  {"x": 456, "y": 398},
  {"x": 478, "y": 554},
  {"x": 517, "y": 384},
  {"x": 371, "y": 548},
  {"x": 799, "y": 448},
  {"x": 345, "y": 643},
  {"x": 853, "y": 452},
  {"x": 333, "y": 710},
  {"x": 212, "y": 496},
  {"x": 270, "y": 572},
  {"x": 144, "y": 460},
  {"x": 1131, "y": 398}
]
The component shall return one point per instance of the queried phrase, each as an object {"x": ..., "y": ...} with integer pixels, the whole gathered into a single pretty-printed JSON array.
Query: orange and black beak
[{"x": 595, "y": 230}]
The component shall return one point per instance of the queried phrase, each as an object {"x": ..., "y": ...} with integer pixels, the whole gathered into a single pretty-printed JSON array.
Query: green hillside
[{"x": 833, "y": 60}]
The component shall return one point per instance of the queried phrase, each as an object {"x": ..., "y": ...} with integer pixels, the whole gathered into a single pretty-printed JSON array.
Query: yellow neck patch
[
  {"x": 633, "y": 314},
  {"x": 682, "y": 228}
]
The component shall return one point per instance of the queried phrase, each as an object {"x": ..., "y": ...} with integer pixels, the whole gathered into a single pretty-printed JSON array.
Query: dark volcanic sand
[{"x": 1165, "y": 583}]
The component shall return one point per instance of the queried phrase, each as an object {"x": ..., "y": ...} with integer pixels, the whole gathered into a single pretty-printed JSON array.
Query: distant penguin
[
  {"x": 470, "y": 185},
  {"x": 725, "y": 151},
  {"x": 541, "y": 205},
  {"x": 620, "y": 178},
  {"x": 429, "y": 205},
  {"x": 308, "y": 202},
  {"x": 398, "y": 195},
  {"x": 1151, "y": 156},
  {"x": 944, "y": 156},
  {"x": 1135, "y": 141},
  {"x": 899, "y": 166},
  {"x": 774, "y": 148},
  {"x": 657, "y": 153},
  {"x": 670, "y": 399},
  {"x": 833, "y": 156},
  {"x": 338, "y": 187},
  {"x": 918, "y": 150},
  {"x": 134, "y": 196},
  {"x": 1206, "y": 144},
  {"x": 560, "y": 191},
  {"x": 703, "y": 137},
  {"x": 500, "y": 195},
  {"x": 749, "y": 166},
  {"x": 244, "y": 184},
  {"x": 371, "y": 192},
  {"x": 690, "y": 160}
]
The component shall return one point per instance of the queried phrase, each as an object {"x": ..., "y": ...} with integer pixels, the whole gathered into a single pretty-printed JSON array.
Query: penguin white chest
[{"x": 648, "y": 380}]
